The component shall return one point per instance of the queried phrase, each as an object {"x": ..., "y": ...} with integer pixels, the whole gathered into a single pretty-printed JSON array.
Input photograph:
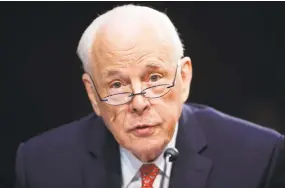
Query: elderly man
[{"x": 138, "y": 80}]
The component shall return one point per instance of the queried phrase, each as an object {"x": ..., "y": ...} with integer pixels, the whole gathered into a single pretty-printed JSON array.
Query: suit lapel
[
  {"x": 191, "y": 168},
  {"x": 112, "y": 162},
  {"x": 102, "y": 167}
]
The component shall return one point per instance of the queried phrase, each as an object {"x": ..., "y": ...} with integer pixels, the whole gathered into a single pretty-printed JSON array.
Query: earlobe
[
  {"x": 96, "y": 109},
  {"x": 90, "y": 92},
  {"x": 186, "y": 76}
]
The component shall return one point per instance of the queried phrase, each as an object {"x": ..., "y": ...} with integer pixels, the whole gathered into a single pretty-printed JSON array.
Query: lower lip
[{"x": 144, "y": 132}]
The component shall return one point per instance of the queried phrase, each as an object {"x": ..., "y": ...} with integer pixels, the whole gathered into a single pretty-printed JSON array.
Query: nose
[{"x": 139, "y": 104}]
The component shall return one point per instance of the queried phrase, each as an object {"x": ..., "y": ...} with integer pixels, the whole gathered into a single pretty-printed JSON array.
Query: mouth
[{"x": 143, "y": 130}]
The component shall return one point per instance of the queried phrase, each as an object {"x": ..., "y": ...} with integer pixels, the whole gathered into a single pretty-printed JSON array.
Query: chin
[{"x": 148, "y": 149}]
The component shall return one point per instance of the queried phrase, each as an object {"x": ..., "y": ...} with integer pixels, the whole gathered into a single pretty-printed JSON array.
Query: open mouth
[
  {"x": 144, "y": 130},
  {"x": 142, "y": 127}
]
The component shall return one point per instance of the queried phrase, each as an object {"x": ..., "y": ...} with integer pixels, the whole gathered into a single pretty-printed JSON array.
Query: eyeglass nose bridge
[{"x": 140, "y": 93}]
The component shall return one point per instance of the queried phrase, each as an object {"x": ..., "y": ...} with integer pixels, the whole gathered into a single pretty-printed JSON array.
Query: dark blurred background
[{"x": 237, "y": 51}]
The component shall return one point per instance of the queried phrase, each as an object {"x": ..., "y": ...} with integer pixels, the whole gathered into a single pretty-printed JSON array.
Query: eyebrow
[
  {"x": 154, "y": 66},
  {"x": 113, "y": 72}
]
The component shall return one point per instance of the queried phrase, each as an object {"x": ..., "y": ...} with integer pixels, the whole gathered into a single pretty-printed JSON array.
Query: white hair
[{"x": 89, "y": 35}]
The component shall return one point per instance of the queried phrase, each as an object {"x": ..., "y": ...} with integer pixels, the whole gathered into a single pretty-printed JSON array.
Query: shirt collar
[{"x": 131, "y": 164}]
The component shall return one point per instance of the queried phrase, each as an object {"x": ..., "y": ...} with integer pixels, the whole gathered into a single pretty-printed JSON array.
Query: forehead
[{"x": 121, "y": 49}]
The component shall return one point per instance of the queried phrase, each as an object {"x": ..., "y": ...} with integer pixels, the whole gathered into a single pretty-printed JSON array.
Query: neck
[{"x": 148, "y": 157}]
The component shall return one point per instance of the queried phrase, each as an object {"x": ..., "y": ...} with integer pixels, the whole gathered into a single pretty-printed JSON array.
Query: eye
[
  {"x": 154, "y": 77},
  {"x": 116, "y": 85}
]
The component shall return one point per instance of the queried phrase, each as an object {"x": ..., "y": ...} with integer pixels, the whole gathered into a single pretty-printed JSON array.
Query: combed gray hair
[{"x": 89, "y": 35}]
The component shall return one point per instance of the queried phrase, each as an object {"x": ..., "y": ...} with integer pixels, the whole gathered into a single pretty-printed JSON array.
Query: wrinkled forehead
[{"x": 130, "y": 45}]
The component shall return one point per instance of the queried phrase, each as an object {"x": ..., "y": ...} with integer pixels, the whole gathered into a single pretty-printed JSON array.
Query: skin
[{"x": 128, "y": 47}]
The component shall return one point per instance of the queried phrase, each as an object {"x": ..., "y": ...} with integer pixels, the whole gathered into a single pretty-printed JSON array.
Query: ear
[
  {"x": 92, "y": 95},
  {"x": 186, "y": 75}
]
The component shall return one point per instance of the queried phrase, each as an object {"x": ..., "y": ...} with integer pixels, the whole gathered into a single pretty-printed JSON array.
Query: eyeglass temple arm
[
  {"x": 173, "y": 83},
  {"x": 93, "y": 84}
]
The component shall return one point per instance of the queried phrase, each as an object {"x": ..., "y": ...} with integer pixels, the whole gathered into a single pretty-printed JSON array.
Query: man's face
[{"x": 144, "y": 125}]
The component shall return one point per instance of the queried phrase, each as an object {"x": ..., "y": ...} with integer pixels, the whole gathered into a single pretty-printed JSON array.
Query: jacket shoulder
[
  {"x": 64, "y": 136},
  {"x": 217, "y": 124}
]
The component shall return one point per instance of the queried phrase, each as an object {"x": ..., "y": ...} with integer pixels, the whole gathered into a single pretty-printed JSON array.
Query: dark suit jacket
[{"x": 216, "y": 151}]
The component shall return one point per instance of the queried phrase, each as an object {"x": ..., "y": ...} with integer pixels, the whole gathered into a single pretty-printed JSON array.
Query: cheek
[
  {"x": 114, "y": 117},
  {"x": 172, "y": 102},
  {"x": 169, "y": 103},
  {"x": 116, "y": 126},
  {"x": 168, "y": 108},
  {"x": 111, "y": 112}
]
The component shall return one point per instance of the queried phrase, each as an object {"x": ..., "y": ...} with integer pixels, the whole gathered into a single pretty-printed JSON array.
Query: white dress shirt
[{"x": 130, "y": 167}]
